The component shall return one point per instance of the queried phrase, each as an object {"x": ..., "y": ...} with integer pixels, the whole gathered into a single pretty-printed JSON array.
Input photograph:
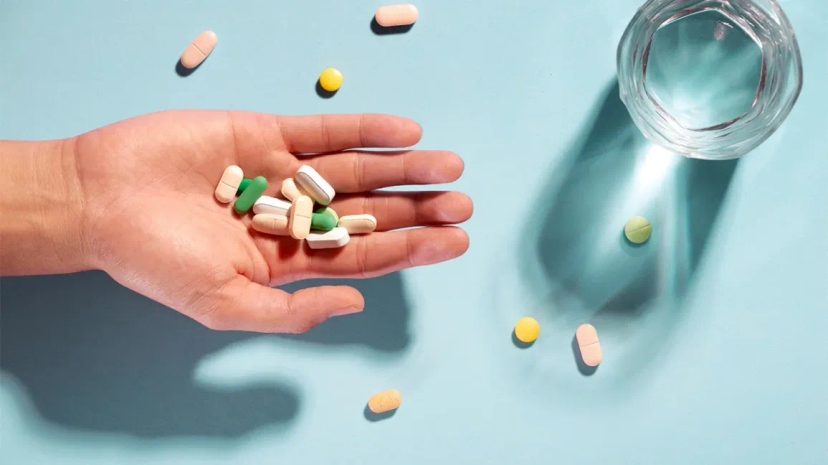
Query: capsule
[
  {"x": 328, "y": 211},
  {"x": 229, "y": 184},
  {"x": 300, "y": 217},
  {"x": 314, "y": 184},
  {"x": 385, "y": 401},
  {"x": 272, "y": 205},
  {"x": 198, "y": 49},
  {"x": 587, "y": 338},
  {"x": 358, "y": 224},
  {"x": 396, "y": 15},
  {"x": 323, "y": 221},
  {"x": 250, "y": 195},
  {"x": 269, "y": 223},
  {"x": 335, "y": 238},
  {"x": 291, "y": 191}
]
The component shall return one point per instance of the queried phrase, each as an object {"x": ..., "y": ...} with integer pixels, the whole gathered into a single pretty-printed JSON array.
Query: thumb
[{"x": 243, "y": 305}]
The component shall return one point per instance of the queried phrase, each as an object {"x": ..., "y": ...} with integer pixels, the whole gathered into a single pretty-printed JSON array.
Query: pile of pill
[{"x": 296, "y": 216}]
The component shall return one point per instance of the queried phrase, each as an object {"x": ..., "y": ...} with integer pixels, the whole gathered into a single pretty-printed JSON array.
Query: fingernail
[{"x": 345, "y": 311}]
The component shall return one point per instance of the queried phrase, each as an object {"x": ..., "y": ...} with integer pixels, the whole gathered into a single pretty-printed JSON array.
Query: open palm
[{"x": 155, "y": 227}]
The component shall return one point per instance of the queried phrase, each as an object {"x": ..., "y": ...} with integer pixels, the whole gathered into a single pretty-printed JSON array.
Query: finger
[
  {"x": 395, "y": 210},
  {"x": 356, "y": 171},
  {"x": 330, "y": 133},
  {"x": 385, "y": 252},
  {"x": 243, "y": 305}
]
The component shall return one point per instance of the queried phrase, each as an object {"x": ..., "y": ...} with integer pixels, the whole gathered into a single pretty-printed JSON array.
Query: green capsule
[
  {"x": 250, "y": 195},
  {"x": 323, "y": 221},
  {"x": 243, "y": 185},
  {"x": 328, "y": 211}
]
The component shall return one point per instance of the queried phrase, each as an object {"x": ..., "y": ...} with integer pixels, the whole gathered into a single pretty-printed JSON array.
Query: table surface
[{"x": 713, "y": 332}]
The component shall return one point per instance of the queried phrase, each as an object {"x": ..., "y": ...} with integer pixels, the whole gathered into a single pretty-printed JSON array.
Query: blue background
[{"x": 714, "y": 332}]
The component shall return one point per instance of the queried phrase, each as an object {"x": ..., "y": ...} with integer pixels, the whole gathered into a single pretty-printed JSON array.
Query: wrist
[{"x": 42, "y": 210}]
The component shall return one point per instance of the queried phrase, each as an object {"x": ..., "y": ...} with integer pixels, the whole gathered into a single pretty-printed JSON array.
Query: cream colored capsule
[
  {"x": 300, "y": 217},
  {"x": 268, "y": 223},
  {"x": 229, "y": 184},
  {"x": 291, "y": 191},
  {"x": 384, "y": 401},
  {"x": 588, "y": 343},
  {"x": 396, "y": 15},
  {"x": 314, "y": 184},
  {"x": 198, "y": 49},
  {"x": 358, "y": 224},
  {"x": 336, "y": 237}
]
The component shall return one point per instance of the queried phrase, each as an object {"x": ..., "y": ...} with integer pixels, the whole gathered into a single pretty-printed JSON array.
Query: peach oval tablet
[
  {"x": 269, "y": 223},
  {"x": 198, "y": 49},
  {"x": 396, "y": 15},
  {"x": 229, "y": 184},
  {"x": 384, "y": 401},
  {"x": 300, "y": 217},
  {"x": 587, "y": 338}
]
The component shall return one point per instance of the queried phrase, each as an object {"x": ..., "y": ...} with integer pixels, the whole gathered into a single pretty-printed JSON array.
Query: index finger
[{"x": 332, "y": 133}]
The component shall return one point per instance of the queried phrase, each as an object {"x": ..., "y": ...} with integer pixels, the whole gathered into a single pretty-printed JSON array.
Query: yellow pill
[
  {"x": 527, "y": 329},
  {"x": 384, "y": 401},
  {"x": 330, "y": 79},
  {"x": 638, "y": 229}
]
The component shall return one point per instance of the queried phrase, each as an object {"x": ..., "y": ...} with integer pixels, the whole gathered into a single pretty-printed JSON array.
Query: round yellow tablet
[
  {"x": 527, "y": 329},
  {"x": 330, "y": 79},
  {"x": 638, "y": 229}
]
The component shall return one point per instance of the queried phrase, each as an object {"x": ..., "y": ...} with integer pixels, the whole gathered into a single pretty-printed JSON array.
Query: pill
[
  {"x": 330, "y": 79},
  {"x": 587, "y": 338},
  {"x": 314, "y": 184},
  {"x": 384, "y": 401},
  {"x": 270, "y": 223},
  {"x": 198, "y": 49},
  {"x": 329, "y": 211},
  {"x": 229, "y": 183},
  {"x": 527, "y": 329},
  {"x": 358, "y": 224},
  {"x": 272, "y": 205},
  {"x": 243, "y": 185},
  {"x": 300, "y": 217},
  {"x": 322, "y": 221},
  {"x": 291, "y": 191},
  {"x": 638, "y": 229},
  {"x": 396, "y": 15},
  {"x": 336, "y": 237},
  {"x": 246, "y": 200}
]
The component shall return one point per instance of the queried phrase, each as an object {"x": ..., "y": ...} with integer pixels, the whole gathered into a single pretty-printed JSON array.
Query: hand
[{"x": 153, "y": 223}]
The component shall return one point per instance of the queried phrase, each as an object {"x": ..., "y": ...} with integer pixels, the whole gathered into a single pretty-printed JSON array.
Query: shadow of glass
[
  {"x": 582, "y": 268},
  {"x": 95, "y": 356},
  {"x": 382, "y": 325}
]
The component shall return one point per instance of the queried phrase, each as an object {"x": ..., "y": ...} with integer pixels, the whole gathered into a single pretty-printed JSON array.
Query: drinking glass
[{"x": 710, "y": 79}]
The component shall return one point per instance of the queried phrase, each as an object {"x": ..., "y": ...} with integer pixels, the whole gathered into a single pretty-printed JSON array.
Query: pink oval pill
[
  {"x": 396, "y": 15},
  {"x": 198, "y": 49}
]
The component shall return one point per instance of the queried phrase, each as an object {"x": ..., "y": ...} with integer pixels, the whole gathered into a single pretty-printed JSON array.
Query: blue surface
[{"x": 714, "y": 332}]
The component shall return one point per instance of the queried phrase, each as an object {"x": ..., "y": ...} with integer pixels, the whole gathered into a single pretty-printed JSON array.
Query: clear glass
[{"x": 709, "y": 79}]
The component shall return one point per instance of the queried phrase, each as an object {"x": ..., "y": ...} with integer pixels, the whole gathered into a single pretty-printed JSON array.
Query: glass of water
[{"x": 709, "y": 79}]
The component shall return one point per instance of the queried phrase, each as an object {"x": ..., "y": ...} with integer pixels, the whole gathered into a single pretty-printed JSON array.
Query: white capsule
[
  {"x": 336, "y": 237},
  {"x": 229, "y": 184},
  {"x": 315, "y": 185},
  {"x": 271, "y": 205},
  {"x": 358, "y": 224}
]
